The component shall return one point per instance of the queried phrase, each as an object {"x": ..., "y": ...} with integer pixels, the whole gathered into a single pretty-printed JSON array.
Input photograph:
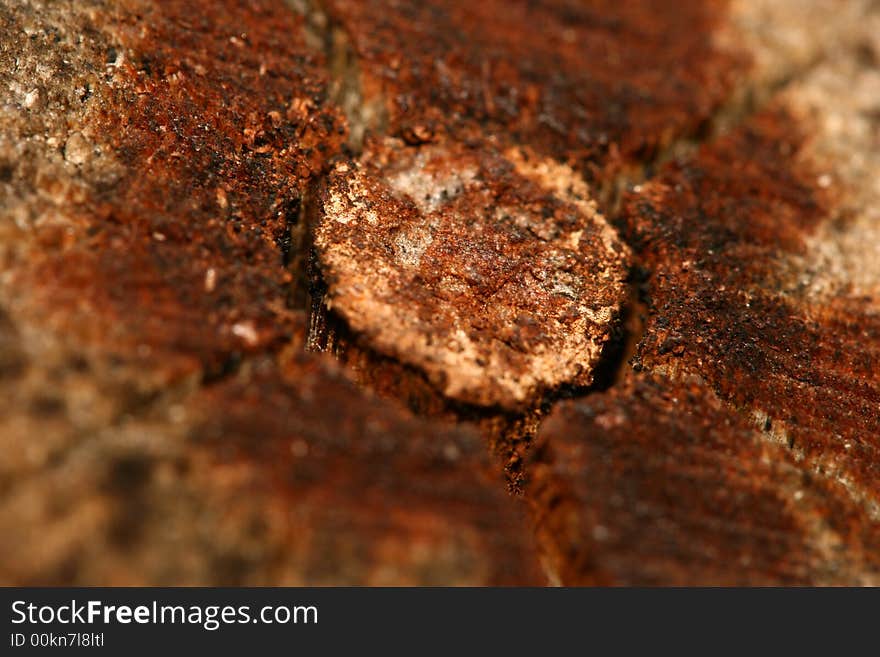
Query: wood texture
[{"x": 240, "y": 243}]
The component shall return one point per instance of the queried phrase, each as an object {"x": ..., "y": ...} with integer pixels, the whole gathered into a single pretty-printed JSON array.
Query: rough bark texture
[{"x": 625, "y": 251}]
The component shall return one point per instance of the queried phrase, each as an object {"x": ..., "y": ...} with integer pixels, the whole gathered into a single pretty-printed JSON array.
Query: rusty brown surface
[
  {"x": 375, "y": 495},
  {"x": 603, "y": 85},
  {"x": 282, "y": 474},
  {"x": 176, "y": 174},
  {"x": 657, "y": 482},
  {"x": 164, "y": 427},
  {"x": 152, "y": 181},
  {"x": 489, "y": 271},
  {"x": 750, "y": 457},
  {"x": 717, "y": 233}
]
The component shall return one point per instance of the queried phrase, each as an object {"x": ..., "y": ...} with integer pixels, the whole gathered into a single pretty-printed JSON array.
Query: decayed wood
[
  {"x": 501, "y": 203},
  {"x": 491, "y": 273},
  {"x": 154, "y": 156},
  {"x": 762, "y": 288}
]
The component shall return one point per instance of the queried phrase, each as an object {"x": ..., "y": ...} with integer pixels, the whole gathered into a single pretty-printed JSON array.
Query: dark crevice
[
  {"x": 343, "y": 68},
  {"x": 619, "y": 351},
  {"x": 296, "y": 261},
  {"x": 289, "y": 237},
  {"x": 214, "y": 373}
]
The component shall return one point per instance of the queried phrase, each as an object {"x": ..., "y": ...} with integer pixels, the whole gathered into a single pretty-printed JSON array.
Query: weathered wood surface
[{"x": 626, "y": 254}]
